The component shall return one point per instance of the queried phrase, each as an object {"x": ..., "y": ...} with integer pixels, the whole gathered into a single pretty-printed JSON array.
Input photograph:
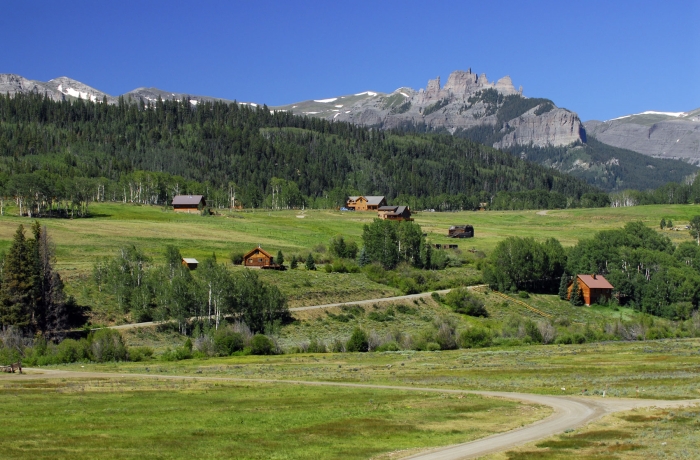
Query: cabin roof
[
  {"x": 388, "y": 208},
  {"x": 374, "y": 199},
  {"x": 250, "y": 253},
  {"x": 599, "y": 282},
  {"x": 187, "y": 199},
  {"x": 188, "y": 260}
]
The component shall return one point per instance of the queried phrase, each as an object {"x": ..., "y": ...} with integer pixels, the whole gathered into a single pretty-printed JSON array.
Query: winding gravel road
[
  {"x": 569, "y": 412},
  {"x": 317, "y": 307}
]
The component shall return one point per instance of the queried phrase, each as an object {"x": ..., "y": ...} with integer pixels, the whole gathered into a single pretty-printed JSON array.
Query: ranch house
[
  {"x": 189, "y": 203},
  {"x": 394, "y": 213},
  {"x": 365, "y": 203},
  {"x": 594, "y": 287}
]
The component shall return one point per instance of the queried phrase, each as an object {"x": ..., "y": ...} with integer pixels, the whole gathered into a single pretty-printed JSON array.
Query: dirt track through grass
[{"x": 569, "y": 412}]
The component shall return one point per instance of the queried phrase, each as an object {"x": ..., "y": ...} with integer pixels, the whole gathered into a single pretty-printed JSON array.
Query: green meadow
[
  {"x": 159, "y": 419},
  {"x": 133, "y": 417},
  {"x": 82, "y": 241}
]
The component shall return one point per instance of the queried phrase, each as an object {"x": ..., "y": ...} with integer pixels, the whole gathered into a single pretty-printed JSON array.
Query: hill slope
[
  {"x": 656, "y": 134},
  {"x": 222, "y": 143}
]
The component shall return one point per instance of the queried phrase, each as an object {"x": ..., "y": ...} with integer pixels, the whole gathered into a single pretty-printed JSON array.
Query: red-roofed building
[{"x": 593, "y": 287}]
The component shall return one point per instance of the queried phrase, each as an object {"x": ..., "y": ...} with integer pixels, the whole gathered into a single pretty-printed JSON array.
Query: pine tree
[
  {"x": 310, "y": 264},
  {"x": 293, "y": 262},
  {"x": 663, "y": 223},
  {"x": 280, "y": 258},
  {"x": 564, "y": 287},
  {"x": 576, "y": 294},
  {"x": 363, "y": 258},
  {"x": 16, "y": 291}
]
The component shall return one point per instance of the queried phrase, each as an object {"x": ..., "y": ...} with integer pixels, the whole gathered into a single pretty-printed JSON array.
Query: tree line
[
  {"x": 31, "y": 290},
  {"x": 649, "y": 273},
  {"x": 150, "y": 291},
  {"x": 146, "y": 152}
]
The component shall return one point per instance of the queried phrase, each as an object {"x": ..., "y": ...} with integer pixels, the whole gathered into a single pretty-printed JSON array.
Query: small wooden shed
[
  {"x": 594, "y": 287},
  {"x": 192, "y": 264},
  {"x": 461, "y": 231},
  {"x": 189, "y": 203},
  {"x": 394, "y": 213},
  {"x": 258, "y": 258}
]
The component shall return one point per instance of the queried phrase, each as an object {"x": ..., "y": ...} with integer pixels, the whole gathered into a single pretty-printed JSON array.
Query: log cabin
[
  {"x": 593, "y": 287},
  {"x": 189, "y": 203},
  {"x": 259, "y": 258},
  {"x": 394, "y": 213},
  {"x": 365, "y": 203}
]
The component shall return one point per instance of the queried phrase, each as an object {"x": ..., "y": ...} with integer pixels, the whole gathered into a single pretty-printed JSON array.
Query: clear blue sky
[{"x": 602, "y": 59}]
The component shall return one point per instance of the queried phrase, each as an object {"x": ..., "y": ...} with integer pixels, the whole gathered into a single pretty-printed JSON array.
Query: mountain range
[
  {"x": 658, "y": 134},
  {"x": 491, "y": 112}
]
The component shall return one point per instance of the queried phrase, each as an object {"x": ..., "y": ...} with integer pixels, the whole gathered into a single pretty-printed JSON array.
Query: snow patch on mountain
[{"x": 653, "y": 112}]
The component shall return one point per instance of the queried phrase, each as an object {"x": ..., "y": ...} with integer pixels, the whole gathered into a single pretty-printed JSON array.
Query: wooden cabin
[
  {"x": 461, "y": 231},
  {"x": 365, "y": 203},
  {"x": 593, "y": 287},
  {"x": 259, "y": 258},
  {"x": 394, "y": 213},
  {"x": 189, "y": 203},
  {"x": 192, "y": 264}
]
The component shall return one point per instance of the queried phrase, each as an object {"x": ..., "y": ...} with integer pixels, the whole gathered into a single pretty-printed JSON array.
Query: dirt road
[
  {"x": 569, "y": 412},
  {"x": 316, "y": 307}
]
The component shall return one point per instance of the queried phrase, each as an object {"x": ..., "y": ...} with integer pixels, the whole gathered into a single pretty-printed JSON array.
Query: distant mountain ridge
[
  {"x": 674, "y": 135},
  {"x": 491, "y": 113},
  {"x": 63, "y": 88},
  {"x": 466, "y": 102}
]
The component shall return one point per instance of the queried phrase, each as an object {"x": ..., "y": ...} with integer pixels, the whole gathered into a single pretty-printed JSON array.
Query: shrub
[
  {"x": 358, "y": 341},
  {"x": 446, "y": 336},
  {"x": 107, "y": 345},
  {"x": 262, "y": 345},
  {"x": 227, "y": 342},
  {"x": 432, "y": 346},
  {"x": 523, "y": 295},
  {"x": 462, "y": 301},
  {"x": 338, "y": 346},
  {"x": 389, "y": 346},
  {"x": 71, "y": 351},
  {"x": 475, "y": 337},
  {"x": 316, "y": 347},
  {"x": 140, "y": 353},
  {"x": 236, "y": 258}
]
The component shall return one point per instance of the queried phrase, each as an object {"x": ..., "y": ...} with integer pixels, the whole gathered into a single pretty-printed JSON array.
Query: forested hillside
[{"x": 58, "y": 156}]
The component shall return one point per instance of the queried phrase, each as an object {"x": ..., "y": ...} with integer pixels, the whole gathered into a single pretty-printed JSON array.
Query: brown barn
[
  {"x": 461, "y": 231},
  {"x": 594, "y": 287},
  {"x": 189, "y": 203},
  {"x": 394, "y": 213},
  {"x": 192, "y": 264},
  {"x": 365, "y": 203},
  {"x": 258, "y": 258}
]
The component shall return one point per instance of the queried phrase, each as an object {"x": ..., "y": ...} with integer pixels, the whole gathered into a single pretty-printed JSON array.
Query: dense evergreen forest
[{"x": 56, "y": 157}]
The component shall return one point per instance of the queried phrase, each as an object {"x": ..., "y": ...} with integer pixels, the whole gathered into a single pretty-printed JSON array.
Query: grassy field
[
  {"x": 158, "y": 419},
  {"x": 635, "y": 435},
  {"x": 81, "y": 241},
  {"x": 663, "y": 369}
]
